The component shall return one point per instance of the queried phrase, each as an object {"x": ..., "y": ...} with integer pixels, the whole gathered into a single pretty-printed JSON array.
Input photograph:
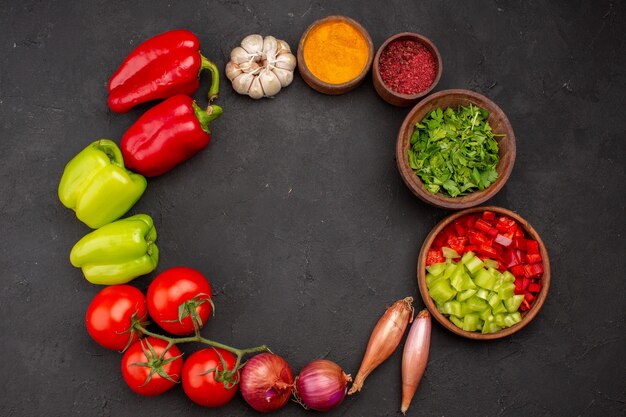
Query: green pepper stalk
[{"x": 118, "y": 252}]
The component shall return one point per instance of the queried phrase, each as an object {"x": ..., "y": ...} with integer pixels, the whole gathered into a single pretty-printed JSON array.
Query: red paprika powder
[{"x": 407, "y": 67}]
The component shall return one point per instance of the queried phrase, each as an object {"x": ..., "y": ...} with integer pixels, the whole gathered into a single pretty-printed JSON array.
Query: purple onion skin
[
  {"x": 322, "y": 385},
  {"x": 266, "y": 382}
]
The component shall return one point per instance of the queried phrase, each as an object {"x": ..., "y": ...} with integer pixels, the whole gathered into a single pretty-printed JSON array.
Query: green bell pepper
[
  {"x": 117, "y": 252},
  {"x": 97, "y": 186}
]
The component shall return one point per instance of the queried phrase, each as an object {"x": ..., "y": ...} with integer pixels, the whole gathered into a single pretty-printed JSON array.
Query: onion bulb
[
  {"x": 385, "y": 338},
  {"x": 415, "y": 357},
  {"x": 266, "y": 382},
  {"x": 321, "y": 385},
  {"x": 268, "y": 61}
]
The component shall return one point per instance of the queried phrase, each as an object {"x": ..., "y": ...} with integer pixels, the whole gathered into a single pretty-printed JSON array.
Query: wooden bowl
[
  {"x": 322, "y": 86},
  {"x": 526, "y": 316},
  {"x": 499, "y": 125},
  {"x": 392, "y": 97}
]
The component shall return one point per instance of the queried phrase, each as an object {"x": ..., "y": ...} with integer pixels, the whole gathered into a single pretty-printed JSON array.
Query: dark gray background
[{"x": 296, "y": 211}]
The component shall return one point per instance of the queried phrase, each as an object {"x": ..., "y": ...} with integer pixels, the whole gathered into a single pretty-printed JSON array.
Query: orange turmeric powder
[{"x": 335, "y": 52}]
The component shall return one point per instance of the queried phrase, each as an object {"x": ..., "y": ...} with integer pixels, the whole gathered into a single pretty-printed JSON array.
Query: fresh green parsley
[{"x": 454, "y": 151}]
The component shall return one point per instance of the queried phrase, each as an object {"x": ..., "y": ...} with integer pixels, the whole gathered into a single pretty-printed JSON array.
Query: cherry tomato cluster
[{"x": 179, "y": 301}]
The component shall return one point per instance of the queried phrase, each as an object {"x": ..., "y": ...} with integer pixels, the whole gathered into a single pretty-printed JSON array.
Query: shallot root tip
[{"x": 356, "y": 387}]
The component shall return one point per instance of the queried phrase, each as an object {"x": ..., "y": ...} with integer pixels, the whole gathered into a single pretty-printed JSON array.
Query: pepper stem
[
  {"x": 205, "y": 117},
  {"x": 215, "y": 77}
]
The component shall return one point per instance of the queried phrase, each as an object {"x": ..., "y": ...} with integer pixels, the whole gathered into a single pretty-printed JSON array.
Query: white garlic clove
[
  {"x": 285, "y": 61},
  {"x": 249, "y": 66},
  {"x": 253, "y": 44},
  {"x": 256, "y": 91},
  {"x": 232, "y": 70},
  {"x": 242, "y": 83},
  {"x": 283, "y": 47},
  {"x": 270, "y": 46},
  {"x": 284, "y": 76},
  {"x": 239, "y": 55},
  {"x": 270, "y": 82}
]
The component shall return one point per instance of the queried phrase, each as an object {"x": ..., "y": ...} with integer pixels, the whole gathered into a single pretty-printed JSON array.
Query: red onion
[
  {"x": 266, "y": 382},
  {"x": 415, "y": 357},
  {"x": 322, "y": 385}
]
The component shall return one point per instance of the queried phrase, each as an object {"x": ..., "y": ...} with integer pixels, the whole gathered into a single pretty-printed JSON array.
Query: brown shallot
[
  {"x": 415, "y": 357},
  {"x": 384, "y": 340}
]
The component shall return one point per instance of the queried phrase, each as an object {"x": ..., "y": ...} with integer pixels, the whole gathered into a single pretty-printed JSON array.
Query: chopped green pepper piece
[
  {"x": 512, "y": 304},
  {"x": 470, "y": 322},
  {"x": 462, "y": 296},
  {"x": 474, "y": 265},
  {"x": 441, "y": 291},
  {"x": 449, "y": 253},
  {"x": 437, "y": 269}
]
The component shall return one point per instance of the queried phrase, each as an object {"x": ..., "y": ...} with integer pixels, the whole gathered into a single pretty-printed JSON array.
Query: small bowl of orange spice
[{"x": 335, "y": 54}]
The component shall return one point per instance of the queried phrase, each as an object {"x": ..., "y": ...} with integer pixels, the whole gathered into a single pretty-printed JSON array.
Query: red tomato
[
  {"x": 109, "y": 315},
  {"x": 173, "y": 288},
  {"x": 140, "y": 364},
  {"x": 204, "y": 389}
]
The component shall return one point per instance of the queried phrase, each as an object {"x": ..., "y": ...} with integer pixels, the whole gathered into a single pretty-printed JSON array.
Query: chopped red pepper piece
[
  {"x": 519, "y": 243},
  {"x": 434, "y": 257},
  {"x": 525, "y": 305},
  {"x": 501, "y": 266},
  {"x": 512, "y": 257},
  {"x": 471, "y": 248},
  {"x": 477, "y": 238},
  {"x": 517, "y": 270},
  {"x": 518, "y": 232},
  {"x": 482, "y": 225},
  {"x": 532, "y": 246},
  {"x": 529, "y": 297},
  {"x": 533, "y": 270},
  {"x": 439, "y": 240},
  {"x": 490, "y": 216},
  {"x": 518, "y": 286},
  {"x": 487, "y": 250},
  {"x": 493, "y": 232},
  {"x": 533, "y": 258},
  {"x": 457, "y": 244},
  {"x": 504, "y": 224},
  {"x": 460, "y": 228},
  {"x": 471, "y": 220},
  {"x": 503, "y": 240},
  {"x": 525, "y": 283},
  {"x": 534, "y": 287}
]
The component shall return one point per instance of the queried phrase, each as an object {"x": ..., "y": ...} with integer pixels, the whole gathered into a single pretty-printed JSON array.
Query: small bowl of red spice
[{"x": 407, "y": 67}]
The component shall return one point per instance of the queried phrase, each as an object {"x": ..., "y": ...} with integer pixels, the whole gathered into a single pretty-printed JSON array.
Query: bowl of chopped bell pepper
[
  {"x": 483, "y": 273},
  {"x": 455, "y": 149}
]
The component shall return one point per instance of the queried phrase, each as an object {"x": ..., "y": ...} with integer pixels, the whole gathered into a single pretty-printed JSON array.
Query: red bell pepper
[
  {"x": 167, "y": 134},
  {"x": 534, "y": 287},
  {"x": 457, "y": 244},
  {"x": 482, "y": 225},
  {"x": 533, "y": 258},
  {"x": 532, "y": 246},
  {"x": 490, "y": 216},
  {"x": 163, "y": 66},
  {"x": 460, "y": 228},
  {"x": 434, "y": 257},
  {"x": 505, "y": 223}
]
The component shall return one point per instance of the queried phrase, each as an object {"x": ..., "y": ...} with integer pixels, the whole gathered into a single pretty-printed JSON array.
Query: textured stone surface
[{"x": 296, "y": 211}]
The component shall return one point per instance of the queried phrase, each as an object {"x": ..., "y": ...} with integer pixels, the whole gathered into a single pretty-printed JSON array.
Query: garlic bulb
[{"x": 261, "y": 66}]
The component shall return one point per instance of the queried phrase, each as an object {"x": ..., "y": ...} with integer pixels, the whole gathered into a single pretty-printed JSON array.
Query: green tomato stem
[{"x": 197, "y": 338}]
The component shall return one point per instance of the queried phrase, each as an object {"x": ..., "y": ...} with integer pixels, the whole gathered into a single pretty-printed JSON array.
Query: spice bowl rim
[
  {"x": 393, "y": 97},
  {"x": 527, "y": 316},
  {"x": 457, "y": 97},
  {"x": 322, "y": 86}
]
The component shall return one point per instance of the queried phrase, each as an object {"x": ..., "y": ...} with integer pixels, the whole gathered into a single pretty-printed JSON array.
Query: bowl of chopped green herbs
[{"x": 455, "y": 149}]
